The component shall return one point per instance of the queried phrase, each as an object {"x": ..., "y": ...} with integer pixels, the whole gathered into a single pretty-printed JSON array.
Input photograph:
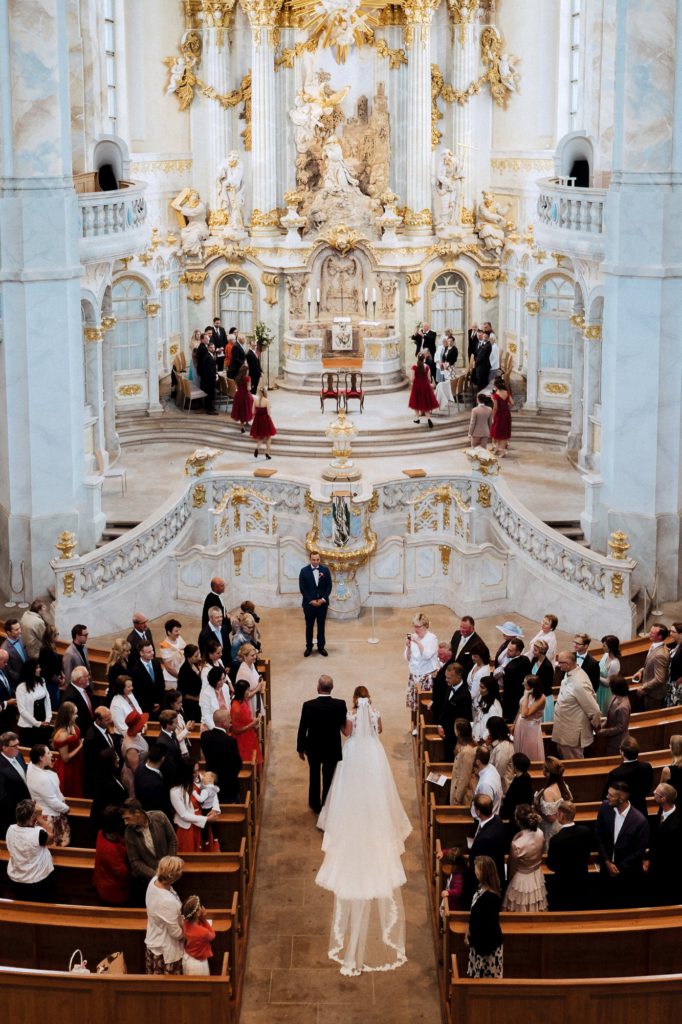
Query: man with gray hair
[
  {"x": 80, "y": 693},
  {"x": 319, "y": 739},
  {"x": 665, "y": 849},
  {"x": 576, "y": 716}
]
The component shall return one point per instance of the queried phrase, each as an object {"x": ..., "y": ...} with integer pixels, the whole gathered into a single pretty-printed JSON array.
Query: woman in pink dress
[
  {"x": 422, "y": 396},
  {"x": 528, "y": 724},
  {"x": 69, "y": 746},
  {"x": 242, "y": 406},
  {"x": 262, "y": 428},
  {"x": 526, "y": 889},
  {"x": 500, "y": 430}
]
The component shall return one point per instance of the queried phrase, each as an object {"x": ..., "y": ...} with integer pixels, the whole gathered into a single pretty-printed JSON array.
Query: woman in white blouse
[
  {"x": 33, "y": 705},
  {"x": 421, "y": 655},
  {"x": 192, "y": 827},
  {"x": 480, "y": 655},
  {"x": 43, "y": 785},
  {"x": 215, "y": 693},
  {"x": 247, "y": 655},
  {"x": 123, "y": 702},
  {"x": 548, "y": 634},
  {"x": 487, "y": 706}
]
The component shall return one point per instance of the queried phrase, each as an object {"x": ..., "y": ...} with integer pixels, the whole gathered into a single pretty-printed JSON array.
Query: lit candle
[
  {"x": 374, "y": 296},
  {"x": 318, "y": 296},
  {"x": 366, "y": 295},
  {"x": 310, "y": 296}
]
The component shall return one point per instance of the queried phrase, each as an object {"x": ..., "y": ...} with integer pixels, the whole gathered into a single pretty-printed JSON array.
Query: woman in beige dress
[
  {"x": 526, "y": 889},
  {"x": 463, "y": 781}
]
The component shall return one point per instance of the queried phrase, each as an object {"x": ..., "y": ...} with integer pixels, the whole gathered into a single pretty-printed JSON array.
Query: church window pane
[
  {"x": 129, "y": 337},
  {"x": 554, "y": 328},
  {"x": 235, "y": 301},
  {"x": 448, "y": 307}
]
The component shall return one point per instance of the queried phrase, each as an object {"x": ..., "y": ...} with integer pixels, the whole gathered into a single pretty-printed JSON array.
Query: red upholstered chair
[
  {"x": 330, "y": 389},
  {"x": 353, "y": 388}
]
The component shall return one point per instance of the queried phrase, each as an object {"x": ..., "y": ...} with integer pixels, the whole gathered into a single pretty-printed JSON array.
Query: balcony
[
  {"x": 112, "y": 224},
  {"x": 570, "y": 219}
]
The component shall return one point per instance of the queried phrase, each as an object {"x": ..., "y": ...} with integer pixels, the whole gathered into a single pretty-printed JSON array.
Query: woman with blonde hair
[
  {"x": 549, "y": 796},
  {"x": 526, "y": 889},
  {"x": 68, "y": 743},
  {"x": 247, "y": 671},
  {"x": 117, "y": 665},
  {"x": 164, "y": 940},
  {"x": 244, "y": 634},
  {"x": 262, "y": 428},
  {"x": 421, "y": 655}
]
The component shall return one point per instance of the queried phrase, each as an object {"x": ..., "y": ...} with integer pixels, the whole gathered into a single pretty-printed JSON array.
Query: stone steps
[
  {"x": 569, "y": 528},
  {"x": 115, "y": 528}
]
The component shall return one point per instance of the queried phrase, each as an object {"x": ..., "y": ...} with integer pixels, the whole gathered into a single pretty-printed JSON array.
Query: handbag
[
  {"x": 78, "y": 968},
  {"x": 115, "y": 963},
  {"x": 39, "y": 709}
]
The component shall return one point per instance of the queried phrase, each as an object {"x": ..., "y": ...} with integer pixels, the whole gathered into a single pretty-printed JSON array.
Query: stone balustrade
[
  {"x": 113, "y": 223},
  {"x": 570, "y": 218}
]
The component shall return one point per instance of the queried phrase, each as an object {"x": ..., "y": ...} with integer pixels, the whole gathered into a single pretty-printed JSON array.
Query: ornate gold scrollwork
[
  {"x": 129, "y": 390},
  {"x": 532, "y": 307},
  {"x": 445, "y": 552},
  {"x": 483, "y": 495},
  {"x": 619, "y": 545},
  {"x": 199, "y": 496},
  {"x": 554, "y": 388},
  {"x": 92, "y": 334},
  {"x": 238, "y": 555},
  {"x": 195, "y": 281},
  {"x": 270, "y": 281},
  {"x": 413, "y": 281},
  {"x": 66, "y": 545},
  {"x": 488, "y": 279},
  {"x": 69, "y": 584},
  {"x": 617, "y": 581}
]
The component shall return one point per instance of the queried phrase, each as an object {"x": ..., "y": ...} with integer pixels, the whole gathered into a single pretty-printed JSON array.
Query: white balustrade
[
  {"x": 113, "y": 223},
  {"x": 568, "y": 215}
]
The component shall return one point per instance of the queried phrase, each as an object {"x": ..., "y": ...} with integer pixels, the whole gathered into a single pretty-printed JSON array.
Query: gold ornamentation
[
  {"x": 338, "y": 26},
  {"x": 145, "y": 258},
  {"x": 270, "y": 219},
  {"x": 129, "y": 390},
  {"x": 421, "y": 219},
  {"x": 174, "y": 349},
  {"x": 164, "y": 284},
  {"x": 69, "y": 584},
  {"x": 503, "y": 279},
  {"x": 199, "y": 496},
  {"x": 592, "y": 332},
  {"x": 201, "y": 460},
  {"x": 171, "y": 239},
  {"x": 270, "y": 281},
  {"x": 217, "y": 218},
  {"x": 539, "y": 255},
  {"x": 617, "y": 581},
  {"x": 374, "y": 501},
  {"x": 195, "y": 280},
  {"x": 93, "y": 333},
  {"x": 66, "y": 545},
  {"x": 577, "y": 320},
  {"x": 488, "y": 279},
  {"x": 262, "y": 13},
  {"x": 413, "y": 281},
  {"x": 558, "y": 258},
  {"x": 484, "y": 495},
  {"x": 500, "y": 76},
  {"x": 161, "y": 166},
  {"x": 553, "y": 388},
  {"x": 462, "y": 13},
  {"x": 152, "y": 308},
  {"x": 532, "y": 307},
  {"x": 341, "y": 237},
  {"x": 238, "y": 554},
  {"x": 155, "y": 241},
  {"x": 445, "y": 552},
  {"x": 395, "y": 57},
  {"x": 482, "y": 460},
  {"x": 468, "y": 217},
  {"x": 511, "y": 346},
  {"x": 308, "y": 502},
  {"x": 287, "y": 56},
  {"x": 530, "y": 165},
  {"x": 618, "y": 545},
  {"x": 126, "y": 261},
  {"x": 521, "y": 281},
  {"x": 437, "y": 85},
  {"x": 108, "y": 323},
  {"x": 294, "y": 197},
  {"x": 373, "y": 351}
]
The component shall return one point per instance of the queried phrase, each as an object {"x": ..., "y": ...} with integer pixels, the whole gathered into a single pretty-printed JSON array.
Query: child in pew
[
  {"x": 199, "y": 935},
  {"x": 454, "y": 887},
  {"x": 207, "y": 796}
]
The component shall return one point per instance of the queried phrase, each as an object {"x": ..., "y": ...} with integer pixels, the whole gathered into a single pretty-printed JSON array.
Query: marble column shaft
[
  {"x": 465, "y": 68},
  {"x": 576, "y": 435},
  {"x": 264, "y": 130},
  {"x": 591, "y": 359},
  {"x": 419, "y": 154},
  {"x": 218, "y": 120}
]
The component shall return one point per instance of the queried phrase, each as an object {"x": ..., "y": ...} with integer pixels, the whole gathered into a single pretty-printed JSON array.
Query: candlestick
[
  {"x": 366, "y": 296},
  {"x": 310, "y": 296},
  {"x": 374, "y": 296},
  {"x": 318, "y": 296}
]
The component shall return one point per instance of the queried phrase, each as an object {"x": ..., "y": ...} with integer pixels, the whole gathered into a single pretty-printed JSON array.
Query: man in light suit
[
  {"x": 319, "y": 739},
  {"x": 622, "y": 838},
  {"x": 463, "y": 639},
  {"x": 315, "y": 584},
  {"x": 653, "y": 678},
  {"x": 76, "y": 654},
  {"x": 576, "y": 715}
]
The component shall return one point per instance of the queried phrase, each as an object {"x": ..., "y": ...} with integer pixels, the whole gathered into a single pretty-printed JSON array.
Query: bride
[{"x": 365, "y": 828}]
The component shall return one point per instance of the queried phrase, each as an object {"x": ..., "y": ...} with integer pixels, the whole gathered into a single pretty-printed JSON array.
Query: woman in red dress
[
  {"x": 111, "y": 877},
  {"x": 69, "y": 746},
  {"x": 500, "y": 430},
  {"x": 422, "y": 396},
  {"x": 242, "y": 406},
  {"x": 262, "y": 428},
  {"x": 192, "y": 825},
  {"x": 244, "y": 725}
]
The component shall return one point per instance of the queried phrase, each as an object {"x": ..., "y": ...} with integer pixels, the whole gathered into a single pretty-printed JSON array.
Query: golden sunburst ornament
[{"x": 338, "y": 23}]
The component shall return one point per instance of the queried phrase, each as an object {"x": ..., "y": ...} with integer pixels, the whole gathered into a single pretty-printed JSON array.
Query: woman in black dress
[
  {"x": 189, "y": 683},
  {"x": 484, "y": 935}
]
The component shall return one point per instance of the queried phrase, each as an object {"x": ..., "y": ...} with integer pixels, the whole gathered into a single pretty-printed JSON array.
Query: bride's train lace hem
[{"x": 362, "y": 944}]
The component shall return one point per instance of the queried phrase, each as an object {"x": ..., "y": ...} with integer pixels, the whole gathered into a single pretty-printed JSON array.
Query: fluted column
[
  {"x": 262, "y": 16},
  {"x": 216, "y": 61},
  {"x": 576, "y": 434},
  {"x": 112, "y": 442},
  {"x": 465, "y": 72},
  {"x": 418, "y": 217}
]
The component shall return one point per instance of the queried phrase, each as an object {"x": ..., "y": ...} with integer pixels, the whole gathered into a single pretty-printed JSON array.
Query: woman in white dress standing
[{"x": 365, "y": 828}]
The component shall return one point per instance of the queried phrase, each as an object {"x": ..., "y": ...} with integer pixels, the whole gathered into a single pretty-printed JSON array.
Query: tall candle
[
  {"x": 310, "y": 296},
  {"x": 366, "y": 295},
  {"x": 318, "y": 296},
  {"x": 374, "y": 296}
]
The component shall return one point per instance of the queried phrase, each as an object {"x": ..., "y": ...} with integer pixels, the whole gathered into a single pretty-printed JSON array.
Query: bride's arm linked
[{"x": 348, "y": 727}]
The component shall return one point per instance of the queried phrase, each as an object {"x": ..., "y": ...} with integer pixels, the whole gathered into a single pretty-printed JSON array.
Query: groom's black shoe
[
  {"x": 321, "y": 650},
  {"x": 307, "y": 652}
]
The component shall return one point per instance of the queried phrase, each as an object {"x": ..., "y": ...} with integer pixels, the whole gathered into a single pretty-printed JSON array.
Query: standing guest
[
  {"x": 217, "y": 630},
  {"x": 164, "y": 939},
  {"x": 189, "y": 682},
  {"x": 13, "y": 787},
  {"x": 149, "y": 837},
  {"x": 150, "y": 785},
  {"x": 148, "y": 683},
  {"x": 622, "y": 835},
  {"x": 315, "y": 586},
  {"x": 235, "y": 617},
  {"x": 131, "y": 762},
  {"x": 609, "y": 668},
  {"x": 43, "y": 785},
  {"x": 490, "y": 839},
  {"x": 617, "y": 721},
  {"x": 220, "y": 338},
  {"x": 528, "y": 725},
  {"x": 247, "y": 671},
  {"x": 242, "y": 406},
  {"x": 486, "y": 706},
  {"x": 237, "y": 356},
  {"x": 472, "y": 340},
  {"x": 69, "y": 746},
  {"x": 488, "y": 782},
  {"x": 453, "y": 892},
  {"x": 672, "y": 773},
  {"x": 323, "y": 719},
  {"x": 525, "y": 890},
  {"x": 464, "y": 778},
  {"x": 549, "y": 796},
  {"x": 111, "y": 876},
  {"x": 222, "y": 756},
  {"x": 548, "y": 634},
  {"x": 30, "y": 868},
  {"x": 170, "y": 652},
  {"x": 76, "y": 654},
  {"x": 439, "y": 688},
  {"x": 584, "y": 660},
  {"x": 480, "y": 669},
  {"x": 100, "y": 736},
  {"x": 568, "y": 858},
  {"x": 199, "y": 935},
  {"x": 424, "y": 341},
  {"x": 214, "y": 599},
  {"x": 168, "y": 739},
  {"x": 457, "y": 705},
  {"x": 501, "y": 748},
  {"x": 117, "y": 665},
  {"x": 122, "y": 703},
  {"x": 51, "y": 666},
  {"x": 194, "y": 342},
  {"x": 421, "y": 655},
  {"x": 462, "y": 642},
  {"x": 108, "y": 788},
  {"x": 245, "y": 634},
  {"x": 638, "y": 775},
  {"x": 501, "y": 426},
  {"x": 262, "y": 428},
  {"x": 515, "y": 671},
  {"x": 215, "y": 694},
  {"x": 182, "y": 728},
  {"x": 484, "y": 935},
  {"x": 673, "y": 694},
  {"x": 479, "y": 424},
  {"x": 422, "y": 398},
  {"x": 520, "y": 788},
  {"x": 133, "y": 739},
  {"x": 79, "y": 692},
  {"x": 192, "y": 828},
  {"x": 33, "y": 705},
  {"x": 14, "y": 646},
  {"x": 576, "y": 715},
  {"x": 213, "y": 659},
  {"x": 653, "y": 678},
  {"x": 510, "y": 631},
  {"x": 33, "y": 627},
  {"x": 207, "y": 371},
  {"x": 480, "y": 375},
  {"x": 253, "y": 363},
  {"x": 543, "y": 670},
  {"x": 662, "y": 863},
  {"x": 139, "y": 636}
]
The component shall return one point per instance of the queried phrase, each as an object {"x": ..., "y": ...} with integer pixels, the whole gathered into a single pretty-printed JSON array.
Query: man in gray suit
[
  {"x": 653, "y": 678},
  {"x": 149, "y": 836}
]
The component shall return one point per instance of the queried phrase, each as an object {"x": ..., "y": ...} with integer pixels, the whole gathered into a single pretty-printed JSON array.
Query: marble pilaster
[
  {"x": 576, "y": 434},
  {"x": 218, "y": 121},
  {"x": 154, "y": 407},
  {"x": 418, "y": 218},
  {"x": 533, "y": 366},
  {"x": 465, "y": 66},
  {"x": 112, "y": 443},
  {"x": 592, "y": 357}
]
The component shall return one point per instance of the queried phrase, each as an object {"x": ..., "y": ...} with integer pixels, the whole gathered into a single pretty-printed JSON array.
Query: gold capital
[{"x": 93, "y": 333}]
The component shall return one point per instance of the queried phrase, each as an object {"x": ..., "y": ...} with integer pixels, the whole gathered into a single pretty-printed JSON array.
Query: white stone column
[
  {"x": 592, "y": 355},
  {"x": 418, "y": 216},
  {"x": 216, "y": 65},
  {"x": 152, "y": 309},
  {"x": 576, "y": 435},
  {"x": 112, "y": 441},
  {"x": 641, "y": 459},
  {"x": 465, "y": 71},
  {"x": 41, "y": 359},
  {"x": 262, "y": 16},
  {"x": 93, "y": 335},
  {"x": 532, "y": 309}
]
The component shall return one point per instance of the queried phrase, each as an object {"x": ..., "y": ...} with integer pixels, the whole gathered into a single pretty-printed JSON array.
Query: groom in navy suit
[{"x": 315, "y": 584}]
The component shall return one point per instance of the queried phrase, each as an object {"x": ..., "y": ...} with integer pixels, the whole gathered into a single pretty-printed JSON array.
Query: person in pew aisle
[
  {"x": 164, "y": 941},
  {"x": 673, "y": 693},
  {"x": 439, "y": 690},
  {"x": 501, "y": 748},
  {"x": 13, "y": 787},
  {"x": 542, "y": 668},
  {"x": 617, "y": 721},
  {"x": 421, "y": 655},
  {"x": 222, "y": 756},
  {"x": 652, "y": 680},
  {"x": 150, "y": 785},
  {"x": 43, "y": 785},
  {"x": 199, "y": 935},
  {"x": 576, "y": 715},
  {"x": 192, "y": 827},
  {"x": 108, "y": 788},
  {"x": 244, "y": 725},
  {"x": 622, "y": 840},
  {"x": 525, "y": 890},
  {"x": 487, "y": 705},
  {"x": 117, "y": 666},
  {"x": 520, "y": 791},
  {"x": 51, "y": 666},
  {"x": 528, "y": 725},
  {"x": 315, "y": 586},
  {"x": 568, "y": 858},
  {"x": 149, "y": 837},
  {"x": 488, "y": 782},
  {"x": 480, "y": 669},
  {"x": 547, "y": 634},
  {"x": 454, "y": 885},
  {"x": 189, "y": 682},
  {"x": 68, "y": 744},
  {"x": 638, "y": 775},
  {"x": 672, "y": 773},
  {"x": 609, "y": 668},
  {"x": 484, "y": 935},
  {"x": 547, "y": 799},
  {"x": 30, "y": 868},
  {"x": 464, "y": 778},
  {"x": 457, "y": 705},
  {"x": 662, "y": 862},
  {"x": 182, "y": 728},
  {"x": 33, "y": 705},
  {"x": 111, "y": 875}
]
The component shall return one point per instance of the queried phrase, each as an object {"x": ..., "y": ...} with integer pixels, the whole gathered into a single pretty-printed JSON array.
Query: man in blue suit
[
  {"x": 622, "y": 839},
  {"x": 315, "y": 584}
]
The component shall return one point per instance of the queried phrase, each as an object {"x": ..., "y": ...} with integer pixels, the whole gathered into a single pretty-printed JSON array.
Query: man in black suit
[
  {"x": 238, "y": 357},
  {"x": 140, "y": 635},
  {"x": 218, "y": 629},
  {"x": 425, "y": 341},
  {"x": 172, "y": 763},
  {"x": 665, "y": 849},
  {"x": 220, "y": 341},
  {"x": 13, "y": 788},
  {"x": 457, "y": 705},
  {"x": 622, "y": 838},
  {"x": 214, "y": 599},
  {"x": 639, "y": 775},
  {"x": 490, "y": 841},
  {"x": 474, "y": 335},
  {"x": 15, "y": 650},
  {"x": 100, "y": 736},
  {"x": 568, "y": 857},
  {"x": 148, "y": 683},
  {"x": 255, "y": 368},
  {"x": 319, "y": 739},
  {"x": 463, "y": 639},
  {"x": 585, "y": 661},
  {"x": 151, "y": 788},
  {"x": 206, "y": 367},
  {"x": 515, "y": 671},
  {"x": 79, "y": 692},
  {"x": 222, "y": 756},
  {"x": 481, "y": 371},
  {"x": 315, "y": 584},
  {"x": 8, "y": 702},
  {"x": 439, "y": 690}
]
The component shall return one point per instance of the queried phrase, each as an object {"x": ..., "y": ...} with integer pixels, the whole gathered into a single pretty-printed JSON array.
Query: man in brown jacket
[
  {"x": 653, "y": 678},
  {"x": 149, "y": 836}
]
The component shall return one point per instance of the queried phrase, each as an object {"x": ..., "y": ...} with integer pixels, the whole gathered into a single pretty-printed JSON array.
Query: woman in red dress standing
[
  {"x": 500, "y": 430},
  {"x": 422, "y": 396},
  {"x": 244, "y": 725},
  {"x": 242, "y": 406},
  {"x": 69, "y": 746},
  {"x": 262, "y": 428},
  {"x": 192, "y": 827}
]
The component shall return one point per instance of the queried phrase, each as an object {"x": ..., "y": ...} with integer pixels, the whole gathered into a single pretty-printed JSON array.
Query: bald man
[{"x": 214, "y": 600}]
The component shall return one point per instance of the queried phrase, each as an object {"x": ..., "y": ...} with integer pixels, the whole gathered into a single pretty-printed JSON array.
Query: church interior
[{"x": 334, "y": 181}]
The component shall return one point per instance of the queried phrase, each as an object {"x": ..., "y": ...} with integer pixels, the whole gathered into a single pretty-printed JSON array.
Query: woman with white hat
[{"x": 509, "y": 631}]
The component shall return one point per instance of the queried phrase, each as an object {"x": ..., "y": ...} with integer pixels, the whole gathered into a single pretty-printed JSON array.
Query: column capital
[
  {"x": 216, "y": 13},
  {"x": 262, "y": 13},
  {"x": 419, "y": 12}
]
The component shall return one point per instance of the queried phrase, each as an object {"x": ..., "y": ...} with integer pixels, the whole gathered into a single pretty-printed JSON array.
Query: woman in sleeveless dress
[
  {"x": 549, "y": 796},
  {"x": 422, "y": 396},
  {"x": 365, "y": 828},
  {"x": 262, "y": 428},
  {"x": 69, "y": 745},
  {"x": 526, "y": 889},
  {"x": 244, "y": 725},
  {"x": 501, "y": 427},
  {"x": 242, "y": 406},
  {"x": 528, "y": 725}
]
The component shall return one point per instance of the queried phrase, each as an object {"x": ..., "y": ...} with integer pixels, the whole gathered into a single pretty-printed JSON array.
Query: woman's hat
[
  {"x": 511, "y": 629},
  {"x": 136, "y": 722}
]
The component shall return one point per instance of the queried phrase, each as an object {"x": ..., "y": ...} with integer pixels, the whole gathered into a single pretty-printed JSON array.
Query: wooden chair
[
  {"x": 222, "y": 396},
  {"x": 330, "y": 388},
  {"x": 190, "y": 393},
  {"x": 111, "y": 472},
  {"x": 353, "y": 388}
]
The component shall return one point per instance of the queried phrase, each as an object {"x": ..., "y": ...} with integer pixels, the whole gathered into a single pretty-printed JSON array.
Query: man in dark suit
[
  {"x": 206, "y": 367},
  {"x": 222, "y": 756},
  {"x": 585, "y": 661},
  {"x": 100, "y": 736},
  {"x": 13, "y": 788},
  {"x": 568, "y": 857},
  {"x": 148, "y": 683},
  {"x": 220, "y": 341},
  {"x": 214, "y": 600},
  {"x": 439, "y": 690},
  {"x": 515, "y": 671},
  {"x": 622, "y": 837},
  {"x": 639, "y": 775},
  {"x": 319, "y": 739},
  {"x": 139, "y": 636},
  {"x": 490, "y": 841},
  {"x": 665, "y": 849},
  {"x": 463, "y": 639},
  {"x": 218, "y": 629},
  {"x": 315, "y": 584},
  {"x": 8, "y": 702},
  {"x": 151, "y": 787},
  {"x": 79, "y": 692},
  {"x": 16, "y": 652},
  {"x": 457, "y": 705},
  {"x": 255, "y": 368},
  {"x": 473, "y": 340},
  {"x": 238, "y": 357},
  {"x": 481, "y": 371},
  {"x": 425, "y": 341},
  {"x": 172, "y": 763}
]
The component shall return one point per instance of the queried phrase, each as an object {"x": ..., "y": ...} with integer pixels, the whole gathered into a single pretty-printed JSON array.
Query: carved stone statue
[
  {"x": 341, "y": 284},
  {"x": 447, "y": 188},
  {"x": 296, "y": 287},
  {"x": 231, "y": 191},
  {"x": 337, "y": 175},
  {"x": 195, "y": 230},
  {"x": 388, "y": 287},
  {"x": 490, "y": 224}
]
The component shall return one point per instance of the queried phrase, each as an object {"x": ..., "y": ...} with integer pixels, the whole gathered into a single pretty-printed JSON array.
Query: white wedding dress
[{"x": 365, "y": 828}]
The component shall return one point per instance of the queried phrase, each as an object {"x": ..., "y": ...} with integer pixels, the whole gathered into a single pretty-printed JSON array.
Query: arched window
[
  {"x": 557, "y": 296},
  {"x": 235, "y": 302},
  {"x": 129, "y": 338},
  {"x": 448, "y": 306}
]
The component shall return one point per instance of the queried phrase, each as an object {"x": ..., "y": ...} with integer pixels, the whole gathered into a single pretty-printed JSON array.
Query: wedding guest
[
  {"x": 212, "y": 659},
  {"x": 617, "y": 720},
  {"x": 192, "y": 826},
  {"x": 30, "y": 868},
  {"x": 568, "y": 858},
  {"x": 245, "y": 634},
  {"x": 457, "y": 705},
  {"x": 242, "y": 406},
  {"x": 501, "y": 427},
  {"x": 549, "y": 796},
  {"x": 515, "y": 671},
  {"x": 501, "y": 747},
  {"x": 108, "y": 789},
  {"x": 520, "y": 788},
  {"x": 454, "y": 886},
  {"x": 133, "y": 738},
  {"x": 43, "y": 785},
  {"x": 421, "y": 655},
  {"x": 488, "y": 783},
  {"x": 51, "y": 666},
  {"x": 422, "y": 398},
  {"x": 486, "y": 706},
  {"x": 117, "y": 665},
  {"x": 164, "y": 939},
  {"x": 111, "y": 875},
  {"x": 548, "y": 634},
  {"x": 33, "y": 625},
  {"x": 247, "y": 671},
  {"x": 672, "y": 773},
  {"x": 525, "y": 890},
  {"x": 528, "y": 725},
  {"x": 484, "y": 935},
  {"x": 479, "y": 424},
  {"x": 543, "y": 669},
  {"x": 69, "y": 746},
  {"x": 170, "y": 652},
  {"x": 189, "y": 682},
  {"x": 673, "y": 693},
  {"x": 244, "y": 726},
  {"x": 123, "y": 701},
  {"x": 199, "y": 935},
  {"x": 182, "y": 728},
  {"x": 638, "y": 775},
  {"x": 262, "y": 428},
  {"x": 131, "y": 762},
  {"x": 33, "y": 705},
  {"x": 464, "y": 778},
  {"x": 609, "y": 668},
  {"x": 480, "y": 657},
  {"x": 215, "y": 693}
]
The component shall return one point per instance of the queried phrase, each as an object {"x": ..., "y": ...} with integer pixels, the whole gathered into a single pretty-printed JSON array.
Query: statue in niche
[
  {"x": 231, "y": 191},
  {"x": 194, "y": 229},
  {"x": 316, "y": 113},
  {"x": 296, "y": 287},
  {"x": 387, "y": 287},
  {"x": 447, "y": 187},
  {"x": 341, "y": 284},
  {"x": 490, "y": 224},
  {"x": 367, "y": 137},
  {"x": 337, "y": 176}
]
